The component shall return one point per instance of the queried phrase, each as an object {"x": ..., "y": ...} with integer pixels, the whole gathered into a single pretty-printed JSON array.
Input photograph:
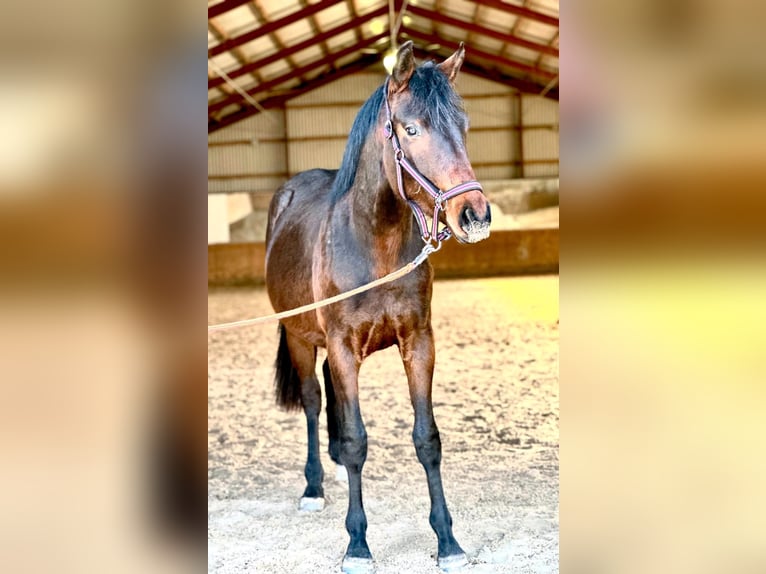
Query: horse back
[{"x": 303, "y": 199}]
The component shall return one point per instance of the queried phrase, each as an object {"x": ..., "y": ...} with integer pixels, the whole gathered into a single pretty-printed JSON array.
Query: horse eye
[{"x": 412, "y": 130}]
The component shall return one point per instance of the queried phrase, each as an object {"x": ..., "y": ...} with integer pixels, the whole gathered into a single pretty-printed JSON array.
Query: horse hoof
[
  {"x": 341, "y": 474},
  {"x": 352, "y": 565},
  {"x": 453, "y": 563},
  {"x": 311, "y": 504}
]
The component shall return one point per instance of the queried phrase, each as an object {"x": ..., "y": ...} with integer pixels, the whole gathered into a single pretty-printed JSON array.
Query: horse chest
[{"x": 379, "y": 321}]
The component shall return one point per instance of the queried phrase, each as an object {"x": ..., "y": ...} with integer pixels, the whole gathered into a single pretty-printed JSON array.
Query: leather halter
[{"x": 440, "y": 197}]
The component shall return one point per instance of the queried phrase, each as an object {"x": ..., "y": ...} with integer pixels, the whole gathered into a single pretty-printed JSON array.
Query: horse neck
[{"x": 381, "y": 220}]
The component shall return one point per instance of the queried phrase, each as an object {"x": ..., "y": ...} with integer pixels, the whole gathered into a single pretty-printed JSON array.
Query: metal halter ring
[{"x": 388, "y": 129}]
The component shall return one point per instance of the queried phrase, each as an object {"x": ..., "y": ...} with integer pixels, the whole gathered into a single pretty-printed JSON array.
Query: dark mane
[
  {"x": 365, "y": 120},
  {"x": 433, "y": 99}
]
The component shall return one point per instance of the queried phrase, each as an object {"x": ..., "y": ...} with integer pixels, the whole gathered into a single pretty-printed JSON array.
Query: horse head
[{"x": 430, "y": 124}]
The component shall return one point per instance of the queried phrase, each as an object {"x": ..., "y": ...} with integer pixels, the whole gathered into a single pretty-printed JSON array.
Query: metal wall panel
[
  {"x": 492, "y": 111},
  {"x": 269, "y": 124},
  {"x": 308, "y": 155},
  {"x": 541, "y": 144},
  {"x": 468, "y": 84},
  {"x": 539, "y": 110},
  {"x": 356, "y": 87},
  {"x": 494, "y": 146},
  {"x": 260, "y": 184},
  {"x": 264, "y": 157},
  {"x": 495, "y": 172},
  {"x": 325, "y": 121}
]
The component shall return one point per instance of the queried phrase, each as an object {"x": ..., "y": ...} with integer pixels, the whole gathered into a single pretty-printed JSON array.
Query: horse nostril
[{"x": 467, "y": 216}]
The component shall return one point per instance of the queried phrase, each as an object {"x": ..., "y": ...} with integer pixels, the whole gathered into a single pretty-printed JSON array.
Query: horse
[{"x": 330, "y": 231}]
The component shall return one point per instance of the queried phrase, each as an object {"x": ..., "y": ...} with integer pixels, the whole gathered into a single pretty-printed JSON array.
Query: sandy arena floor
[{"x": 496, "y": 404}]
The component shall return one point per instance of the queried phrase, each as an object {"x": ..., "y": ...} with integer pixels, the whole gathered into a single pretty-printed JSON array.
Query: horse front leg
[
  {"x": 344, "y": 371},
  {"x": 417, "y": 351}
]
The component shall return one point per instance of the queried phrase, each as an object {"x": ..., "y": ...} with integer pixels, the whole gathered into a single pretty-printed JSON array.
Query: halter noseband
[{"x": 440, "y": 197}]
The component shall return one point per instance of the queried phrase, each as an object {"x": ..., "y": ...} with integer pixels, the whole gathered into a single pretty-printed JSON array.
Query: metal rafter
[
  {"x": 316, "y": 29},
  {"x": 223, "y": 7},
  {"x": 221, "y": 36},
  {"x": 475, "y": 22},
  {"x": 252, "y": 66},
  {"x": 354, "y": 15},
  {"x": 332, "y": 75},
  {"x": 502, "y": 60},
  {"x": 519, "y": 20},
  {"x": 524, "y": 86},
  {"x": 481, "y": 30},
  {"x": 553, "y": 41},
  {"x": 519, "y": 11},
  {"x": 298, "y": 72},
  {"x": 262, "y": 20},
  {"x": 435, "y": 25},
  {"x": 270, "y": 27}
]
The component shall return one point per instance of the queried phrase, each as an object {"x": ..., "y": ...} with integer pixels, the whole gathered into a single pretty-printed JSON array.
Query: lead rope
[{"x": 428, "y": 248}]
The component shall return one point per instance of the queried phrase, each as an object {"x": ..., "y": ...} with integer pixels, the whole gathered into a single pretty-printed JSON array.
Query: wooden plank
[
  {"x": 294, "y": 49},
  {"x": 520, "y": 11},
  {"x": 472, "y": 27},
  {"x": 506, "y": 252},
  {"x": 223, "y": 7},
  {"x": 270, "y": 27}
]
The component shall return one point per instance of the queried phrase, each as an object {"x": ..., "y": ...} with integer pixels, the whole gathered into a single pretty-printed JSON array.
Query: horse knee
[
  {"x": 311, "y": 397},
  {"x": 353, "y": 448},
  {"x": 428, "y": 445}
]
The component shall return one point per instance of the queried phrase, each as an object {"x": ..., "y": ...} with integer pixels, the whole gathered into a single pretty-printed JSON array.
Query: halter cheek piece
[{"x": 440, "y": 197}]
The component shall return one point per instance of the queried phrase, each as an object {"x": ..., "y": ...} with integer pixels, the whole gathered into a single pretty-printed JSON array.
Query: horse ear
[
  {"x": 404, "y": 67},
  {"x": 451, "y": 66}
]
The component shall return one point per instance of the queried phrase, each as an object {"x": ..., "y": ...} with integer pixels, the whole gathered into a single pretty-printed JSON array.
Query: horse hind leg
[
  {"x": 333, "y": 428},
  {"x": 301, "y": 388}
]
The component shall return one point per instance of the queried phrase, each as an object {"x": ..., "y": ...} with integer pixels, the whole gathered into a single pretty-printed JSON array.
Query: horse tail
[{"x": 287, "y": 384}]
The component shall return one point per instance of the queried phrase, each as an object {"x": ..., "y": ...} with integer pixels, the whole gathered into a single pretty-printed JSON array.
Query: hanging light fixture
[{"x": 389, "y": 60}]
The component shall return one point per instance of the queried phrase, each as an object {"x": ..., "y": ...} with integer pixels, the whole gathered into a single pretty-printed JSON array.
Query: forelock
[{"x": 435, "y": 100}]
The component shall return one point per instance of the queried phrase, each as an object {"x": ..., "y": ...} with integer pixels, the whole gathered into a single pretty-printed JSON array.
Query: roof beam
[
  {"x": 525, "y": 86},
  {"x": 262, "y": 20},
  {"x": 354, "y": 14},
  {"x": 471, "y": 27},
  {"x": 253, "y": 66},
  {"x": 296, "y": 73},
  {"x": 502, "y": 60},
  {"x": 519, "y": 11},
  {"x": 236, "y": 52},
  {"x": 279, "y": 101},
  {"x": 223, "y": 7},
  {"x": 316, "y": 30},
  {"x": 270, "y": 27}
]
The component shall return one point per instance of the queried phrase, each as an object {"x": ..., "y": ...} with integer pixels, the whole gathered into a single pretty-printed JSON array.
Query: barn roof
[{"x": 274, "y": 50}]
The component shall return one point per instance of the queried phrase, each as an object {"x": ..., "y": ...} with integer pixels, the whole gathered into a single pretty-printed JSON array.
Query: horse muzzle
[{"x": 469, "y": 217}]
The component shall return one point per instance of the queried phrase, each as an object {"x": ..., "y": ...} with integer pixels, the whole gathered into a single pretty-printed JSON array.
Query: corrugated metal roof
[{"x": 274, "y": 50}]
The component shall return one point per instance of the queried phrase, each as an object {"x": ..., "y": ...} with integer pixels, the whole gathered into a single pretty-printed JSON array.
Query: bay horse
[{"x": 331, "y": 231}]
